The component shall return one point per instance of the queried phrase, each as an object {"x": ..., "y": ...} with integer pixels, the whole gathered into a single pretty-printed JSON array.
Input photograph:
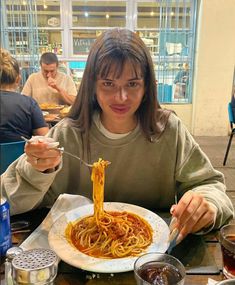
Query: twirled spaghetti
[{"x": 108, "y": 234}]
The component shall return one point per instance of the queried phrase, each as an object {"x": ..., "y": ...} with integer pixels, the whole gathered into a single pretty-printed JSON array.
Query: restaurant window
[
  {"x": 69, "y": 28},
  {"x": 19, "y": 33},
  {"x": 49, "y": 26},
  {"x": 98, "y": 13},
  {"x": 30, "y": 28},
  {"x": 91, "y": 18},
  {"x": 166, "y": 27},
  {"x": 168, "y": 30}
]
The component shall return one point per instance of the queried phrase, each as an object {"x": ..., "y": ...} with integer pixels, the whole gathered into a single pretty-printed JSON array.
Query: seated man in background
[
  {"x": 20, "y": 115},
  {"x": 181, "y": 81},
  {"x": 49, "y": 85}
]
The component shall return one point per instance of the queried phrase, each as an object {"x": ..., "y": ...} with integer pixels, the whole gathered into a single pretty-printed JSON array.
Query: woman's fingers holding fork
[
  {"x": 41, "y": 157},
  {"x": 193, "y": 212}
]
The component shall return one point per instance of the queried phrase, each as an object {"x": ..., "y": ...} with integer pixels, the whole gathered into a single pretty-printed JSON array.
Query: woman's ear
[{"x": 18, "y": 79}]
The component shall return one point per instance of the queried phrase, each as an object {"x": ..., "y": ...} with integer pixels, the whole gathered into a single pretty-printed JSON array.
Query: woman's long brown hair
[{"x": 112, "y": 50}]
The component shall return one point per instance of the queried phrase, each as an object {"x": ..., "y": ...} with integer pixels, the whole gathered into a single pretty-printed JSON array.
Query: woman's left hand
[{"x": 192, "y": 213}]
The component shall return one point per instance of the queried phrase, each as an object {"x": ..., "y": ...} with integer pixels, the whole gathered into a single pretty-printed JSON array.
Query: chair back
[
  {"x": 10, "y": 152},
  {"x": 230, "y": 114}
]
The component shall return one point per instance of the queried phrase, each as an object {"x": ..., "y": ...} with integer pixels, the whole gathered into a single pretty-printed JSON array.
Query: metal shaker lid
[
  {"x": 36, "y": 266},
  {"x": 13, "y": 251}
]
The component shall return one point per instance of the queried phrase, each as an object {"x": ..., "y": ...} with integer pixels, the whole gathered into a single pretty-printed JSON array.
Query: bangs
[{"x": 113, "y": 67}]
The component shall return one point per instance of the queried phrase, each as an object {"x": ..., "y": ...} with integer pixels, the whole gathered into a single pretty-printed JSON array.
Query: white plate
[{"x": 74, "y": 257}]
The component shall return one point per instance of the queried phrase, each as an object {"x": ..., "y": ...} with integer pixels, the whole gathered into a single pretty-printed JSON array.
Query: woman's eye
[
  {"x": 133, "y": 84},
  {"x": 108, "y": 84}
]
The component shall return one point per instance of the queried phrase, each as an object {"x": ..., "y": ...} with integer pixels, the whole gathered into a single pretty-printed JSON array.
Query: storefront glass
[
  {"x": 98, "y": 13},
  {"x": 48, "y": 13},
  {"x": 167, "y": 28},
  {"x": 50, "y": 41},
  {"x": 83, "y": 39},
  {"x": 69, "y": 27}
]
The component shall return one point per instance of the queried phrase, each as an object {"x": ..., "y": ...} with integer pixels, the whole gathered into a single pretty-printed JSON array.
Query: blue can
[{"x": 5, "y": 227}]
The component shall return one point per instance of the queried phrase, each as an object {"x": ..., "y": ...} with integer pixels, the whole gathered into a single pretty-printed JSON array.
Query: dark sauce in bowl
[{"x": 159, "y": 273}]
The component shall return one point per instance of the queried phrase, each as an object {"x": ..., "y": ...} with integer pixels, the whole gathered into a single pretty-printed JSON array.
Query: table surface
[{"x": 200, "y": 255}]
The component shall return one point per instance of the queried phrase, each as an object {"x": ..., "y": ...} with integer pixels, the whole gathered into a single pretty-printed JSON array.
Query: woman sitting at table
[
  {"x": 20, "y": 115},
  {"x": 116, "y": 116}
]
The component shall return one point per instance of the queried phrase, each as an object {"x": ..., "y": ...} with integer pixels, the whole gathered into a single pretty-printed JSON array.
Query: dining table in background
[
  {"x": 201, "y": 256},
  {"x": 53, "y": 116}
]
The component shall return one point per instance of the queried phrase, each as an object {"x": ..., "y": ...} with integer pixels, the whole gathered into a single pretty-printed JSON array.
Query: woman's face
[{"x": 119, "y": 98}]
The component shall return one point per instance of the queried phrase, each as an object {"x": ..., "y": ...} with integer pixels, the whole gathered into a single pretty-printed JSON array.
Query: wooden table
[{"x": 200, "y": 255}]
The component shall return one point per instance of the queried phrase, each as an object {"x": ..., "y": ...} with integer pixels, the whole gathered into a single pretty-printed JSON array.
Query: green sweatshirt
[{"x": 144, "y": 173}]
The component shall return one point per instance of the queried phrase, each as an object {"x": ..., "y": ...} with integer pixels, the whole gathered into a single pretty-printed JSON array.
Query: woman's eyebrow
[
  {"x": 135, "y": 78},
  {"x": 131, "y": 79},
  {"x": 106, "y": 79}
]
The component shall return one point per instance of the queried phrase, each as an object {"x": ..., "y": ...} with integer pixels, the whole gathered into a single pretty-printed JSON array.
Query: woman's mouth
[{"x": 120, "y": 109}]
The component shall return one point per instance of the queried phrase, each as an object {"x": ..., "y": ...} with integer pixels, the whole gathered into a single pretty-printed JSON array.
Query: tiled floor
[{"x": 215, "y": 148}]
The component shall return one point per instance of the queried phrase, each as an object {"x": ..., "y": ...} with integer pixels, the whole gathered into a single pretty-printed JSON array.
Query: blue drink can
[{"x": 5, "y": 227}]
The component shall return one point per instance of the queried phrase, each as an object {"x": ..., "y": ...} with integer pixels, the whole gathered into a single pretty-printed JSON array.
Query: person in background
[
  {"x": 74, "y": 75},
  {"x": 116, "y": 116},
  {"x": 62, "y": 67},
  {"x": 181, "y": 82},
  {"x": 49, "y": 85},
  {"x": 20, "y": 115}
]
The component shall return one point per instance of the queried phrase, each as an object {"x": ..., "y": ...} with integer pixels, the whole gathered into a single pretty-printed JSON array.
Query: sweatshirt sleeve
[
  {"x": 23, "y": 186},
  {"x": 195, "y": 172}
]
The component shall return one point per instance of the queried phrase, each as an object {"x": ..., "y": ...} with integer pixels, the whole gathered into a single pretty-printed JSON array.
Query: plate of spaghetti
[
  {"x": 51, "y": 107},
  {"x": 107, "y": 237}
]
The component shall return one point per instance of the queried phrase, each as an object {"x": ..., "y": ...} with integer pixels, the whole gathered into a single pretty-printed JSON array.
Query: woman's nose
[{"x": 122, "y": 94}]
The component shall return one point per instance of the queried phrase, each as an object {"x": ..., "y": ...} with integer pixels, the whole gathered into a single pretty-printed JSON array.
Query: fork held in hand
[
  {"x": 74, "y": 156},
  {"x": 65, "y": 152},
  {"x": 174, "y": 232}
]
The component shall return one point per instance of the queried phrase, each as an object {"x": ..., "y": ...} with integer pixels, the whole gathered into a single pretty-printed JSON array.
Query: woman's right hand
[{"x": 41, "y": 156}]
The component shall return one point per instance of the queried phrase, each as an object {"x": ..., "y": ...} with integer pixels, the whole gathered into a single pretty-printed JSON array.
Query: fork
[
  {"x": 174, "y": 232},
  {"x": 61, "y": 149},
  {"x": 173, "y": 236},
  {"x": 74, "y": 156}
]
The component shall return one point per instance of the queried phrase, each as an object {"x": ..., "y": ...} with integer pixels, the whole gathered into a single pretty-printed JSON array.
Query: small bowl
[{"x": 152, "y": 267}]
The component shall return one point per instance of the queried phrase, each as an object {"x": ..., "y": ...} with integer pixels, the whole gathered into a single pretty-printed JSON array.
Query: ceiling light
[{"x": 107, "y": 16}]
